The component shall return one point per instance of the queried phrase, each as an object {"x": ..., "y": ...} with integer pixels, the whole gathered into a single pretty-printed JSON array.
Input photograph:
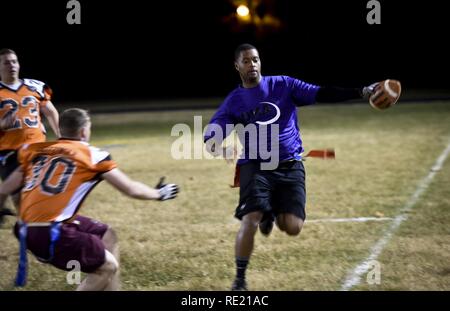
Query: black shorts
[
  {"x": 272, "y": 191},
  {"x": 8, "y": 164}
]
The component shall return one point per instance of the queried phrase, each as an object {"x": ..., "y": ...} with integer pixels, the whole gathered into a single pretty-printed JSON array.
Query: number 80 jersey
[
  {"x": 58, "y": 177},
  {"x": 24, "y": 103}
]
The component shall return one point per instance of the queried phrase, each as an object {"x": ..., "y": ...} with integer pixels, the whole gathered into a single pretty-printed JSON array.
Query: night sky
[{"x": 184, "y": 49}]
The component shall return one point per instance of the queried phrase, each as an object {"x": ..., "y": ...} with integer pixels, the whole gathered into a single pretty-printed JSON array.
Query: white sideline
[{"x": 354, "y": 278}]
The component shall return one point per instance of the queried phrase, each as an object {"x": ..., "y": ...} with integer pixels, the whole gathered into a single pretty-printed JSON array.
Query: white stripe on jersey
[
  {"x": 97, "y": 154},
  {"x": 36, "y": 84},
  {"x": 77, "y": 197}
]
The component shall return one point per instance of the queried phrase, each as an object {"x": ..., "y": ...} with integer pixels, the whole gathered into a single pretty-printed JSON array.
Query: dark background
[{"x": 137, "y": 49}]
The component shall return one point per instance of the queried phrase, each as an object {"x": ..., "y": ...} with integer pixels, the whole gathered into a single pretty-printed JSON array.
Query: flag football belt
[
  {"x": 287, "y": 163},
  {"x": 55, "y": 231},
  {"x": 283, "y": 165}
]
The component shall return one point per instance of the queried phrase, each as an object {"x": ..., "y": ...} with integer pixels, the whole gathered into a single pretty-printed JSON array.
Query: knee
[
  {"x": 249, "y": 226},
  {"x": 251, "y": 221},
  {"x": 111, "y": 265},
  {"x": 293, "y": 230},
  {"x": 293, "y": 227}
]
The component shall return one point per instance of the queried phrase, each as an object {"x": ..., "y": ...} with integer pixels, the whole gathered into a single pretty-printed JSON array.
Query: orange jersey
[
  {"x": 25, "y": 103},
  {"x": 58, "y": 177}
]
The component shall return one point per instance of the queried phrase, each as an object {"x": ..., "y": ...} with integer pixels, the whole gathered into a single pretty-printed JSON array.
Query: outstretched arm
[
  {"x": 332, "y": 94},
  {"x": 52, "y": 116},
  {"x": 138, "y": 190}
]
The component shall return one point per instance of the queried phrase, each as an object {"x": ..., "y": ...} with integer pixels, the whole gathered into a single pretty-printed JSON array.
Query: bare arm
[
  {"x": 11, "y": 184},
  {"x": 7, "y": 121},
  {"x": 132, "y": 188},
  {"x": 52, "y": 116}
]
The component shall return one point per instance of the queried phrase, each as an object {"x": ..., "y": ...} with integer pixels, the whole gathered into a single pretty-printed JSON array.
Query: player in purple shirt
[
  {"x": 273, "y": 101},
  {"x": 263, "y": 111}
]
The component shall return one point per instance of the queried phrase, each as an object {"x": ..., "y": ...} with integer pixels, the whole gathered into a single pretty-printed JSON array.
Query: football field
[{"x": 378, "y": 216}]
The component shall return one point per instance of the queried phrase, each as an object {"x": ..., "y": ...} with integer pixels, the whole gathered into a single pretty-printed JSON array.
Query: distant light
[{"x": 242, "y": 10}]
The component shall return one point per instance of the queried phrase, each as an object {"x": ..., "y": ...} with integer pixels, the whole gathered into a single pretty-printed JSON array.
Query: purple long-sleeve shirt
[{"x": 273, "y": 102}]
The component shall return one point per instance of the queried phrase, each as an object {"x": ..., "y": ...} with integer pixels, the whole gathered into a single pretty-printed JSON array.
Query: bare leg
[
  {"x": 289, "y": 223},
  {"x": 111, "y": 244},
  {"x": 246, "y": 235},
  {"x": 244, "y": 247},
  {"x": 101, "y": 278}
]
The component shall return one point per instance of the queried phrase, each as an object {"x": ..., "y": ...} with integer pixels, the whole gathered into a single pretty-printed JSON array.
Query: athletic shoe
[{"x": 239, "y": 285}]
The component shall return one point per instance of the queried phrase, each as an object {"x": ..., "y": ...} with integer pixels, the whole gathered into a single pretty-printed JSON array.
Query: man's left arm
[
  {"x": 332, "y": 94},
  {"x": 306, "y": 93},
  {"x": 52, "y": 116}
]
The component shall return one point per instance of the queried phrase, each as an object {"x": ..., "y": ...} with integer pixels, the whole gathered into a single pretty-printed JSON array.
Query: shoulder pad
[{"x": 35, "y": 86}]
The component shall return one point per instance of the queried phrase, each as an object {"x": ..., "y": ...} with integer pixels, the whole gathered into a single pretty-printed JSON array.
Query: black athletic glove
[
  {"x": 367, "y": 91},
  {"x": 166, "y": 192}
]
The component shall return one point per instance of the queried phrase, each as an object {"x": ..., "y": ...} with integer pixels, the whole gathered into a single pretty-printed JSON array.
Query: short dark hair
[
  {"x": 72, "y": 120},
  {"x": 243, "y": 47},
  {"x": 7, "y": 51}
]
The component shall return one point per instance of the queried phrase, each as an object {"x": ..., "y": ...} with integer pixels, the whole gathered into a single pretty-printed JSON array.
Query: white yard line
[
  {"x": 354, "y": 277},
  {"x": 325, "y": 220},
  {"x": 355, "y": 219}
]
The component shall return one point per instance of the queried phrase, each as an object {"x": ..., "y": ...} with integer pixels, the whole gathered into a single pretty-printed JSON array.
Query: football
[{"x": 386, "y": 94}]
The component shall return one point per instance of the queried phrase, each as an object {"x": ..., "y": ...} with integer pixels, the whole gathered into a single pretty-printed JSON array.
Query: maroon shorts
[{"x": 80, "y": 240}]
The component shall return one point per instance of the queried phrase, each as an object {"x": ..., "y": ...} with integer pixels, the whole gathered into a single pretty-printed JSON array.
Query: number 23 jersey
[
  {"x": 58, "y": 177},
  {"x": 24, "y": 103}
]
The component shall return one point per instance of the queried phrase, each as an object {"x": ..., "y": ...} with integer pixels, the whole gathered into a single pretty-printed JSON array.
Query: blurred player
[
  {"x": 56, "y": 177},
  {"x": 21, "y": 102},
  {"x": 269, "y": 103}
]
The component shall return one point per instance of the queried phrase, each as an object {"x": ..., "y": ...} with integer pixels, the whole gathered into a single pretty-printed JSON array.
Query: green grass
[{"x": 187, "y": 243}]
